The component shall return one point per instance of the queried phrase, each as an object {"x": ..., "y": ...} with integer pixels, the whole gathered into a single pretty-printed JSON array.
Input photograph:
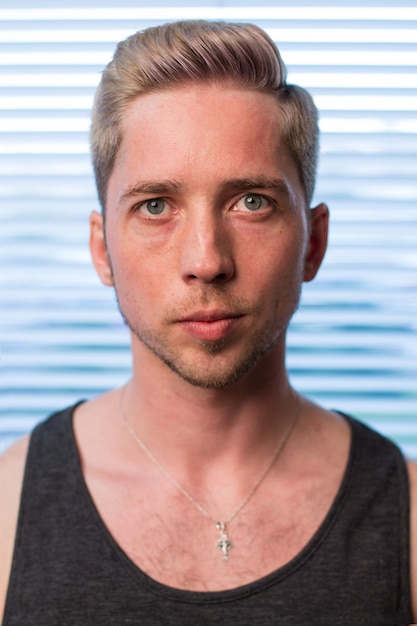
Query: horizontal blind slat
[{"x": 352, "y": 345}]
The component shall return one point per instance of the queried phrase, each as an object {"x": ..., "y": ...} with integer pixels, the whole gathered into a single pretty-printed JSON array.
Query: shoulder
[
  {"x": 12, "y": 470},
  {"x": 12, "y": 467},
  {"x": 412, "y": 474}
]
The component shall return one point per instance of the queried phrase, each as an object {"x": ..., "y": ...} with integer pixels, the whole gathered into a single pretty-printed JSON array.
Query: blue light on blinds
[{"x": 352, "y": 345}]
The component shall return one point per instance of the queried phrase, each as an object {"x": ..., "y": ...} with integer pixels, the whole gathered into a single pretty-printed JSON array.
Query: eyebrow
[
  {"x": 257, "y": 182},
  {"x": 150, "y": 187},
  {"x": 262, "y": 182},
  {"x": 158, "y": 188}
]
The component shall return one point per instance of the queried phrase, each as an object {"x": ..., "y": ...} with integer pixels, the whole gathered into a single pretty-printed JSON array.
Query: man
[{"x": 206, "y": 490}]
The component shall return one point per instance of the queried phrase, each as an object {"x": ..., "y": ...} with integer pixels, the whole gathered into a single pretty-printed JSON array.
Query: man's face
[{"x": 207, "y": 231}]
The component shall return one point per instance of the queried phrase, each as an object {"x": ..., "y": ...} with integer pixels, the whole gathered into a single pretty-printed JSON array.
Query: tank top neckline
[{"x": 227, "y": 595}]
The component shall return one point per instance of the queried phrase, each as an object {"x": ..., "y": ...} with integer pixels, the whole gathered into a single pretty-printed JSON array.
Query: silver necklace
[{"x": 224, "y": 542}]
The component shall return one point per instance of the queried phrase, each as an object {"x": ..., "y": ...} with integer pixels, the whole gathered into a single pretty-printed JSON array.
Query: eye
[
  {"x": 155, "y": 206},
  {"x": 252, "y": 202}
]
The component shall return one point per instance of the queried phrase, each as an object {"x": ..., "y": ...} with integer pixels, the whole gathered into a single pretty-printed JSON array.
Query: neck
[{"x": 190, "y": 428}]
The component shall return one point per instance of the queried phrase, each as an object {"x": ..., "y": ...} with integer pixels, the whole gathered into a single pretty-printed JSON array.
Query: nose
[{"x": 206, "y": 249}]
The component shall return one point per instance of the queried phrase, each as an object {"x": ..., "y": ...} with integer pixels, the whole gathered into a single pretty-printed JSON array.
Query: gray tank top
[{"x": 68, "y": 570}]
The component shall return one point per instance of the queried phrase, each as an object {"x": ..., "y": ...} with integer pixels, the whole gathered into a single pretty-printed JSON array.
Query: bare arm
[
  {"x": 12, "y": 464},
  {"x": 412, "y": 472}
]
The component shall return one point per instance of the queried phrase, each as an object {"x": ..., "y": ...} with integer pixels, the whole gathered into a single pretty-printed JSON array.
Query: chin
[
  {"x": 215, "y": 370},
  {"x": 214, "y": 364}
]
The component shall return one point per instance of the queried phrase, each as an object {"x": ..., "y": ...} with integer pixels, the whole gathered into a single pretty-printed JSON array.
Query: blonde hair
[{"x": 240, "y": 55}]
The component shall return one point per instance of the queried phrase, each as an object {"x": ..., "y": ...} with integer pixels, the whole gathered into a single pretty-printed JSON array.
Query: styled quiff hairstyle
[{"x": 161, "y": 57}]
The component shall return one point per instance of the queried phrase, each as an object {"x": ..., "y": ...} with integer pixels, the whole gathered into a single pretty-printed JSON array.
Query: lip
[
  {"x": 210, "y": 316},
  {"x": 210, "y": 325}
]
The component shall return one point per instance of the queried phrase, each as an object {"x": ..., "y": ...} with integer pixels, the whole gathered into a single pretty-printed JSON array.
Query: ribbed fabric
[{"x": 68, "y": 571}]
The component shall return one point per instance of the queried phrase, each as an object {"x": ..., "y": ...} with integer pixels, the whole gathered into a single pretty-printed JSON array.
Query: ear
[
  {"x": 319, "y": 224},
  {"x": 98, "y": 249}
]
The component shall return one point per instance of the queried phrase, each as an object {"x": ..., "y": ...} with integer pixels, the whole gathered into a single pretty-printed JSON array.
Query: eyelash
[
  {"x": 141, "y": 205},
  {"x": 255, "y": 196},
  {"x": 266, "y": 202}
]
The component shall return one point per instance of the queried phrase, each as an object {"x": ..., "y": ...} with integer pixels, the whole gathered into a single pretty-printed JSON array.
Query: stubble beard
[
  {"x": 198, "y": 375},
  {"x": 222, "y": 373}
]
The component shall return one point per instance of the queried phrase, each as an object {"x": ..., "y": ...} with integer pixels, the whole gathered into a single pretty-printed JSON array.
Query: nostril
[{"x": 222, "y": 277}]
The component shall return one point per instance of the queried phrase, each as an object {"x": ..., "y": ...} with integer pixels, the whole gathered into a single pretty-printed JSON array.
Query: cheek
[
  {"x": 274, "y": 256},
  {"x": 281, "y": 285},
  {"x": 140, "y": 279}
]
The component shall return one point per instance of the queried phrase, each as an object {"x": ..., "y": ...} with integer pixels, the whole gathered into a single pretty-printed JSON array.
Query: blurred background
[{"x": 353, "y": 344}]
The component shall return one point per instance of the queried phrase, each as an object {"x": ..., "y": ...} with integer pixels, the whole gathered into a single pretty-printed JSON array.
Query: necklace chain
[{"x": 224, "y": 543}]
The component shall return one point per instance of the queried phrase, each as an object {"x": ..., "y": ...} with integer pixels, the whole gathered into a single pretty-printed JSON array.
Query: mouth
[
  {"x": 210, "y": 316},
  {"x": 210, "y": 325}
]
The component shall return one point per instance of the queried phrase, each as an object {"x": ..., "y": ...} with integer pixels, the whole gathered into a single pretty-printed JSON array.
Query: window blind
[{"x": 352, "y": 344}]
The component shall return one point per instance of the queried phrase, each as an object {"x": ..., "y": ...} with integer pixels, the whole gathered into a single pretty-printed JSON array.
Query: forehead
[
  {"x": 208, "y": 108},
  {"x": 198, "y": 134}
]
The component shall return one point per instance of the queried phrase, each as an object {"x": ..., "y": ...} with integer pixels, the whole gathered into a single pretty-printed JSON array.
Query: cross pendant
[{"x": 224, "y": 542}]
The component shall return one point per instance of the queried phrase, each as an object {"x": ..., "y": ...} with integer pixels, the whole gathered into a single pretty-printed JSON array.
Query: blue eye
[
  {"x": 253, "y": 202},
  {"x": 155, "y": 206}
]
